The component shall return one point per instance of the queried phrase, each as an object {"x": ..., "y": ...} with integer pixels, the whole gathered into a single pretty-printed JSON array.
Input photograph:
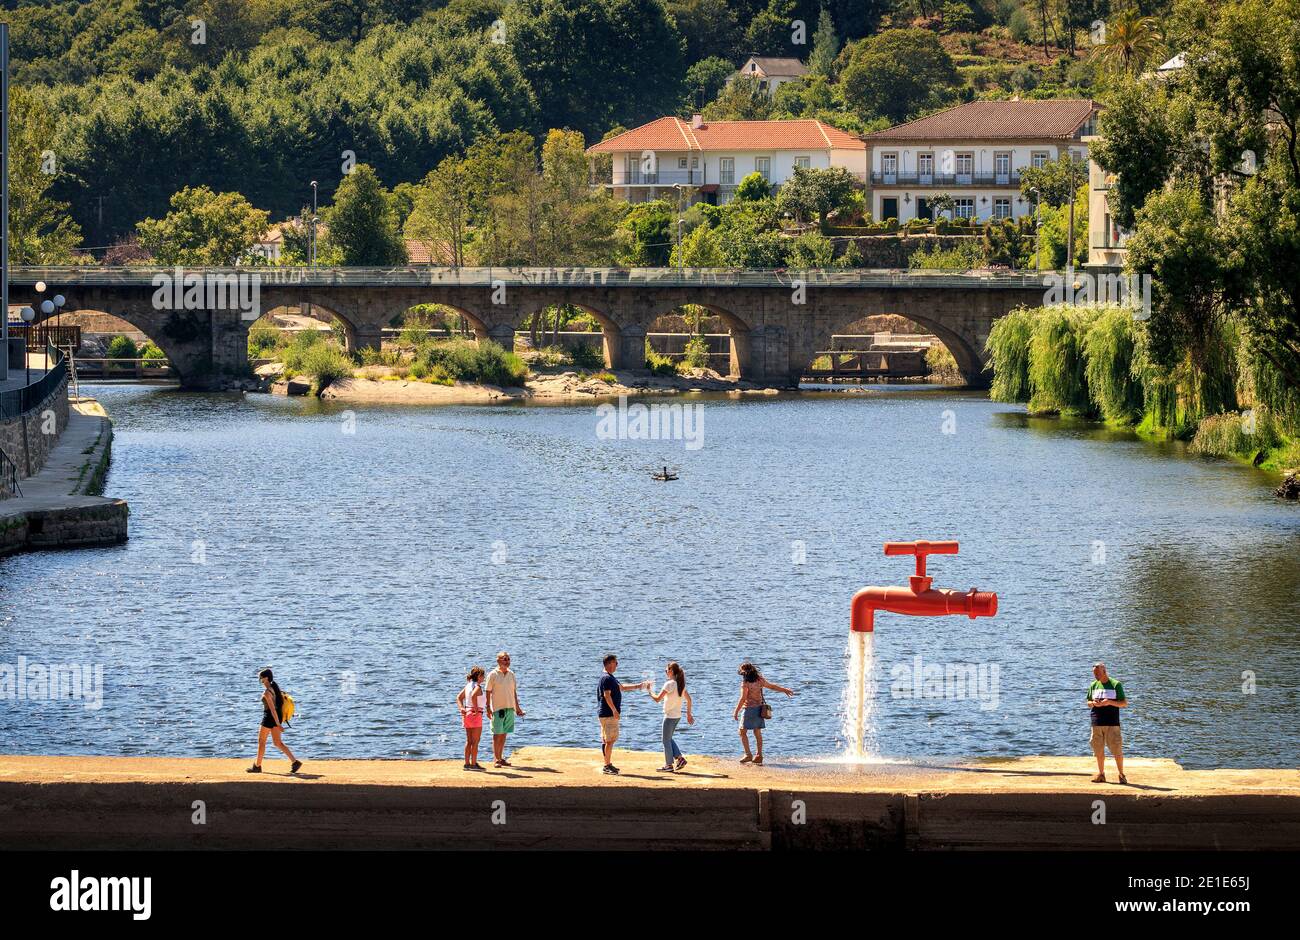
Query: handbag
[{"x": 765, "y": 709}]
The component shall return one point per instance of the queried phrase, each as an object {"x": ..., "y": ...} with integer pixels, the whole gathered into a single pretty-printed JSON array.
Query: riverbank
[
  {"x": 556, "y": 798},
  {"x": 60, "y": 506},
  {"x": 372, "y": 386}
]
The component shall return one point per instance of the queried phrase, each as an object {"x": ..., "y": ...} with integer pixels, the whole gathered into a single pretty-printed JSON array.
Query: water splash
[{"x": 860, "y": 697}]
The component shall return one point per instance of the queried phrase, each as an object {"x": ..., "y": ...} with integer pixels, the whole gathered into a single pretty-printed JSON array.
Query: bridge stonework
[{"x": 778, "y": 322}]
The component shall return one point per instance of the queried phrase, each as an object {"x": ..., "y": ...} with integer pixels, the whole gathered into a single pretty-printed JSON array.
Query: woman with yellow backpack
[{"x": 277, "y": 708}]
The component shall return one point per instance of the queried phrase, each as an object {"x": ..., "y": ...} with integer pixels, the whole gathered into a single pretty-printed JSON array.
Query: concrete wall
[{"x": 28, "y": 439}]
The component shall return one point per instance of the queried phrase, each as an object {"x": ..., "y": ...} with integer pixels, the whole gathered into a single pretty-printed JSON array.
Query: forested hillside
[{"x": 144, "y": 97}]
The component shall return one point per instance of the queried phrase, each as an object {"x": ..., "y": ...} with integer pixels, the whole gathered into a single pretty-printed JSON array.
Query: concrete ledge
[
  {"x": 554, "y": 798},
  {"x": 60, "y": 506}
]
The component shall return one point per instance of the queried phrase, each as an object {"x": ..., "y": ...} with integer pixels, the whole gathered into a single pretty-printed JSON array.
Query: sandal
[
  {"x": 295, "y": 767},
  {"x": 758, "y": 760},
  {"x": 1123, "y": 779},
  {"x": 255, "y": 769},
  {"x": 746, "y": 759},
  {"x": 1100, "y": 778}
]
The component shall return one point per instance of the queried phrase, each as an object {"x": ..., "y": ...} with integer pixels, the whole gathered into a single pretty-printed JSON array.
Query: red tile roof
[
  {"x": 983, "y": 120},
  {"x": 671, "y": 133}
]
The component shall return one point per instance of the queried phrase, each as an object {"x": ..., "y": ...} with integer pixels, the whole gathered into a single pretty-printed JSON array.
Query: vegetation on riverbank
[{"x": 1097, "y": 362}]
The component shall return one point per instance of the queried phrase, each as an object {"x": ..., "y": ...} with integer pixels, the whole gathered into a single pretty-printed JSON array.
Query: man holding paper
[{"x": 1105, "y": 699}]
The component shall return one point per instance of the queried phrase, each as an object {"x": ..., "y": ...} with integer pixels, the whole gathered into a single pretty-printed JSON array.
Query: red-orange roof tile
[
  {"x": 671, "y": 133},
  {"x": 983, "y": 120}
]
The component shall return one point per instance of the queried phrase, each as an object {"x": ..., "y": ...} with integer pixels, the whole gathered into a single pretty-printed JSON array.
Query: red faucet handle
[{"x": 920, "y": 549}]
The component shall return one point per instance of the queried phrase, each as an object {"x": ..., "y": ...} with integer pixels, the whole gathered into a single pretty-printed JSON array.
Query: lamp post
[
  {"x": 1038, "y": 251},
  {"x": 313, "y": 223},
  {"x": 28, "y": 315}
]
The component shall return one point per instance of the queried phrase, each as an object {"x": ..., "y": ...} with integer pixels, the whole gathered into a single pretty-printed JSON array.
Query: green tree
[
  {"x": 441, "y": 211},
  {"x": 826, "y": 46},
  {"x": 1131, "y": 41},
  {"x": 740, "y": 100},
  {"x": 896, "y": 73},
  {"x": 587, "y": 60},
  {"x": 816, "y": 192},
  {"x": 40, "y": 229},
  {"x": 204, "y": 228},
  {"x": 647, "y": 232},
  {"x": 1053, "y": 182},
  {"x": 361, "y": 221},
  {"x": 752, "y": 188}
]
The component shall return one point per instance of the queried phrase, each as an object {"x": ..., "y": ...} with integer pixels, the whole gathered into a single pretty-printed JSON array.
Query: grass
[
  {"x": 459, "y": 360},
  {"x": 310, "y": 354}
]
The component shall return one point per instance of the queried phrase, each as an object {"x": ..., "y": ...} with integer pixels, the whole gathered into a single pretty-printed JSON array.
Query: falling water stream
[{"x": 859, "y": 697}]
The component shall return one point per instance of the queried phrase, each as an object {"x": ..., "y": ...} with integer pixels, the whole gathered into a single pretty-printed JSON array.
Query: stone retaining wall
[{"x": 29, "y": 450}]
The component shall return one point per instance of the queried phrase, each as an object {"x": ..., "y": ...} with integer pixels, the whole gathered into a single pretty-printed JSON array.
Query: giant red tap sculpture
[{"x": 919, "y": 599}]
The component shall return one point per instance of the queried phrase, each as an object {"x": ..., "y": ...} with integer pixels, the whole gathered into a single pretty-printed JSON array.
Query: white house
[
  {"x": 770, "y": 72},
  {"x": 705, "y": 160},
  {"x": 973, "y": 153}
]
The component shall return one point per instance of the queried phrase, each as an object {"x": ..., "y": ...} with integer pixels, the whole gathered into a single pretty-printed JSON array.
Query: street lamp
[
  {"x": 313, "y": 223},
  {"x": 1038, "y": 251},
  {"x": 28, "y": 315}
]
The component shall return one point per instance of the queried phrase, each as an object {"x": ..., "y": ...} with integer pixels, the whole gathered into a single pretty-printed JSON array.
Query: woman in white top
[
  {"x": 672, "y": 695},
  {"x": 471, "y": 701}
]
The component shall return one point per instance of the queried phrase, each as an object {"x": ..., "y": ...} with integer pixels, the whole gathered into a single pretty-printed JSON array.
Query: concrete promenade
[
  {"x": 59, "y": 507},
  {"x": 555, "y": 798}
]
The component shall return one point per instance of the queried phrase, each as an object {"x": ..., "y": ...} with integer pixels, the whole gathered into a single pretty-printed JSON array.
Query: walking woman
[
  {"x": 471, "y": 700},
  {"x": 672, "y": 695},
  {"x": 756, "y": 709},
  {"x": 272, "y": 724}
]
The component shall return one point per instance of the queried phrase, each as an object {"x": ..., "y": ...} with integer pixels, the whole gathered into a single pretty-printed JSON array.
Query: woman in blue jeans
[{"x": 673, "y": 694}]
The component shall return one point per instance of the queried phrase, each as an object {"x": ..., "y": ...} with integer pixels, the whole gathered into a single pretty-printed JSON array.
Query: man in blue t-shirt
[
  {"x": 1105, "y": 699},
  {"x": 609, "y": 699}
]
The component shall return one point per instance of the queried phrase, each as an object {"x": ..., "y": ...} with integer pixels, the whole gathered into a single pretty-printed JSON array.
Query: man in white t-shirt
[{"x": 503, "y": 705}]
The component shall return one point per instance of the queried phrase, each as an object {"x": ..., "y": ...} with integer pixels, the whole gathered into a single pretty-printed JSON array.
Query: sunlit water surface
[{"x": 372, "y": 568}]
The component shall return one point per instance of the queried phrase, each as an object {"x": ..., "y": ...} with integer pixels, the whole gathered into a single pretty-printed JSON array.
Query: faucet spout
[{"x": 918, "y": 599}]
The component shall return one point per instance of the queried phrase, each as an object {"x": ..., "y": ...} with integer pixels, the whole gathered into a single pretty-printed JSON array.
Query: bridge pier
[
  {"x": 503, "y": 334},
  {"x": 625, "y": 349}
]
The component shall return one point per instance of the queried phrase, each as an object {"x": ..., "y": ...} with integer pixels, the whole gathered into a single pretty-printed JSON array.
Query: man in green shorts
[
  {"x": 502, "y": 705},
  {"x": 1105, "y": 699}
]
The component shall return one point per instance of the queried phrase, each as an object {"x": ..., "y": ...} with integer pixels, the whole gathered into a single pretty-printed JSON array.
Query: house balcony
[
  {"x": 659, "y": 178},
  {"x": 946, "y": 179}
]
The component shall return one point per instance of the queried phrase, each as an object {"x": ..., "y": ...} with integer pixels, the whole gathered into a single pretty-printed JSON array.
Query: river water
[{"x": 372, "y": 555}]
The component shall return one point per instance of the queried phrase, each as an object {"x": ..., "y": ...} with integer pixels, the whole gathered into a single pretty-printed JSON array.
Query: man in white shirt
[{"x": 503, "y": 705}]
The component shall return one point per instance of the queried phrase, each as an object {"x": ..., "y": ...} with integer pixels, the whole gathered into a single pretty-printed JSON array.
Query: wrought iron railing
[
  {"x": 8, "y": 477},
  {"x": 946, "y": 179},
  {"x": 19, "y": 401}
]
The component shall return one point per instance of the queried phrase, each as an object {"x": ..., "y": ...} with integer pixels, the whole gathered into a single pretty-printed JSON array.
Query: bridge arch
[
  {"x": 738, "y": 345},
  {"x": 970, "y": 361},
  {"x": 622, "y": 345}
]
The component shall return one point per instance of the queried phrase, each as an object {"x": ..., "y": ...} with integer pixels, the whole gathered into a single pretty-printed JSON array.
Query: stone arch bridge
[{"x": 778, "y": 320}]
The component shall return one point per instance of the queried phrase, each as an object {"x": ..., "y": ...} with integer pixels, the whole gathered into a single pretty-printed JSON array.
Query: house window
[
  {"x": 964, "y": 208},
  {"x": 925, "y": 167},
  {"x": 681, "y": 163},
  {"x": 889, "y": 167},
  {"x": 727, "y": 171},
  {"x": 965, "y": 164},
  {"x": 1038, "y": 159},
  {"x": 764, "y": 167},
  {"x": 1001, "y": 208},
  {"x": 1002, "y": 167},
  {"x": 695, "y": 163},
  {"x": 802, "y": 163}
]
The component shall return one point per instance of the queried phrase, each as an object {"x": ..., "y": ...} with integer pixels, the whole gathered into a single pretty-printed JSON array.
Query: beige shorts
[
  {"x": 1107, "y": 737},
  {"x": 608, "y": 730}
]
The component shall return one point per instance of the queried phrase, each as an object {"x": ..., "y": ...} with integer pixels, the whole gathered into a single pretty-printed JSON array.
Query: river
[{"x": 372, "y": 555}]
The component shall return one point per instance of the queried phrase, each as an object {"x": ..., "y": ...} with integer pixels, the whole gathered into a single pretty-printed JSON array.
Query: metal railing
[
  {"x": 421, "y": 276},
  {"x": 639, "y": 177},
  {"x": 946, "y": 179},
  {"x": 18, "y": 402},
  {"x": 8, "y": 477},
  {"x": 40, "y": 334}
]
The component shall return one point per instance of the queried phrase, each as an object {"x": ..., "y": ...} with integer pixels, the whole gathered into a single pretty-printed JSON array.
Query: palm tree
[{"x": 1130, "y": 42}]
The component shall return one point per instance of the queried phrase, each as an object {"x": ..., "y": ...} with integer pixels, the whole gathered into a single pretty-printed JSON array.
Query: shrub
[
  {"x": 122, "y": 347},
  {"x": 941, "y": 363},
  {"x": 293, "y": 352},
  {"x": 697, "y": 352},
  {"x": 151, "y": 353},
  {"x": 263, "y": 339},
  {"x": 659, "y": 365},
  {"x": 1236, "y": 435},
  {"x": 325, "y": 363},
  {"x": 461, "y": 360},
  {"x": 587, "y": 356}
]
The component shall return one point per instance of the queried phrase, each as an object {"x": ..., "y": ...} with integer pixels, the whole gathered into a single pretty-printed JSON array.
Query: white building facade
[
  {"x": 705, "y": 161},
  {"x": 974, "y": 154}
]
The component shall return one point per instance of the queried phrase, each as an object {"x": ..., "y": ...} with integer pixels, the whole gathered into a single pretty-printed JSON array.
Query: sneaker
[
  {"x": 665, "y": 769},
  {"x": 681, "y": 762},
  {"x": 609, "y": 769},
  {"x": 468, "y": 767},
  {"x": 294, "y": 768},
  {"x": 255, "y": 769}
]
